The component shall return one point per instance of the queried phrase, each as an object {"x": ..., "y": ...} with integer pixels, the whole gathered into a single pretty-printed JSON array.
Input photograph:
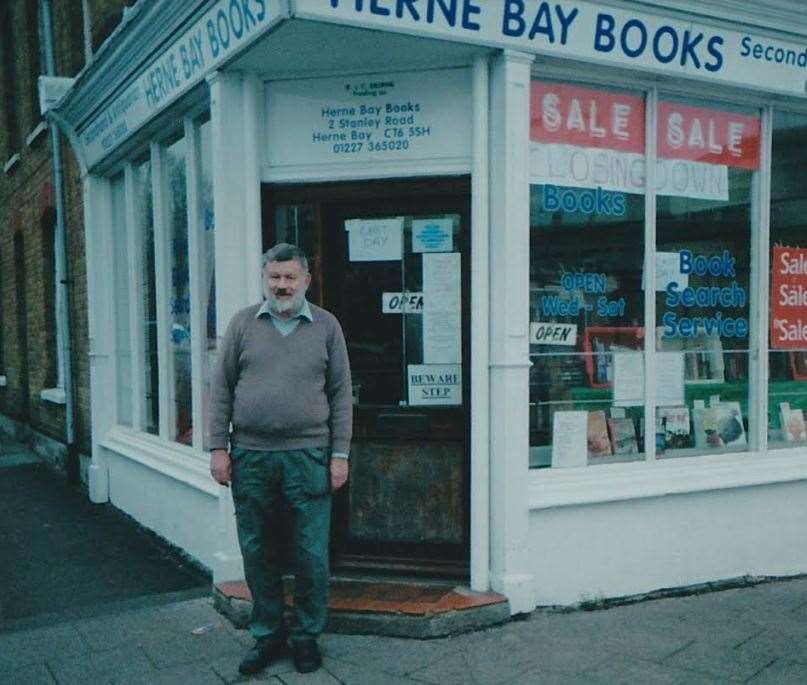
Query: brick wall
[{"x": 26, "y": 197}]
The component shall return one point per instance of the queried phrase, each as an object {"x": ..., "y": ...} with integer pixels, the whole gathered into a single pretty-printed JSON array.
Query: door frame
[{"x": 438, "y": 560}]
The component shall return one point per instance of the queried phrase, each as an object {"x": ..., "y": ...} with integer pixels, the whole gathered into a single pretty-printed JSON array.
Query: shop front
[{"x": 563, "y": 240}]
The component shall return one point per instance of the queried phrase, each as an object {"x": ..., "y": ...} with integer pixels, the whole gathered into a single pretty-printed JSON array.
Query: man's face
[{"x": 285, "y": 285}]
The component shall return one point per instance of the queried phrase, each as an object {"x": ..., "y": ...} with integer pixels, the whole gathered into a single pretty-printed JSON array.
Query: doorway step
[{"x": 385, "y": 607}]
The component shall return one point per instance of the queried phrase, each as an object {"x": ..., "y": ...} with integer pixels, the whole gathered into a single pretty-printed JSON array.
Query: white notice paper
[
  {"x": 375, "y": 240},
  {"x": 668, "y": 269},
  {"x": 432, "y": 235},
  {"x": 442, "y": 330},
  {"x": 432, "y": 384},
  {"x": 569, "y": 434},
  {"x": 628, "y": 379},
  {"x": 669, "y": 379}
]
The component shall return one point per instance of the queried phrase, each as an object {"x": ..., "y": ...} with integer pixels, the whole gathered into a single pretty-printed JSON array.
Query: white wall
[
  {"x": 624, "y": 548},
  {"x": 181, "y": 513}
]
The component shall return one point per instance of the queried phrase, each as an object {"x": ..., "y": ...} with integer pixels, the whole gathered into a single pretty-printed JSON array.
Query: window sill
[
  {"x": 179, "y": 462},
  {"x": 3, "y": 381},
  {"x": 41, "y": 127},
  {"x": 550, "y": 488},
  {"x": 13, "y": 161},
  {"x": 54, "y": 395}
]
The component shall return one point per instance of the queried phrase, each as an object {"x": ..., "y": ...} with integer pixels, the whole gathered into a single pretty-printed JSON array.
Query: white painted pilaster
[
  {"x": 509, "y": 263},
  {"x": 235, "y": 117},
  {"x": 100, "y": 301},
  {"x": 236, "y": 169},
  {"x": 480, "y": 331},
  {"x": 251, "y": 165}
]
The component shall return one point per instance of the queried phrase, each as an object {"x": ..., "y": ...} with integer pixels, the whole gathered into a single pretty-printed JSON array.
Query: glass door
[{"x": 390, "y": 260}]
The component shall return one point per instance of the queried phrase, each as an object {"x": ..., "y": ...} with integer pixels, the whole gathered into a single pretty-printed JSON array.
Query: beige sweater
[{"x": 282, "y": 392}]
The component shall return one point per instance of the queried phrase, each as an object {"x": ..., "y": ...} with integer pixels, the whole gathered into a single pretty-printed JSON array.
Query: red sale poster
[
  {"x": 789, "y": 298},
  {"x": 708, "y": 135}
]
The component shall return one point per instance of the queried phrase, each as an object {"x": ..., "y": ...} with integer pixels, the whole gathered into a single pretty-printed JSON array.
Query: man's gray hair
[{"x": 284, "y": 252}]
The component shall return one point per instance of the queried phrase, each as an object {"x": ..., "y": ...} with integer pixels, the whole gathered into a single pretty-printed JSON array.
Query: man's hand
[
  {"x": 221, "y": 466},
  {"x": 339, "y": 471}
]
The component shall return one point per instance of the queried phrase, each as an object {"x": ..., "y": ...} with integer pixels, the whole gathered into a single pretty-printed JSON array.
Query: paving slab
[
  {"x": 366, "y": 674},
  {"x": 34, "y": 674},
  {"x": 29, "y": 647},
  {"x": 781, "y": 672},
  {"x": 395, "y": 656},
  {"x": 100, "y": 667},
  {"x": 720, "y": 663}
]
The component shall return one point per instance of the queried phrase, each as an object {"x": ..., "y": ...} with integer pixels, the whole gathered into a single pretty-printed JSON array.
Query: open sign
[{"x": 402, "y": 303}]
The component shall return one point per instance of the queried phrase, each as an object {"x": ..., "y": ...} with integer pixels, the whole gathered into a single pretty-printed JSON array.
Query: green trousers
[{"x": 264, "y": 484}]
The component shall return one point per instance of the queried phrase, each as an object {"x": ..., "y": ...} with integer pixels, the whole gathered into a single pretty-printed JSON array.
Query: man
[{"x": 283, "y": 382}]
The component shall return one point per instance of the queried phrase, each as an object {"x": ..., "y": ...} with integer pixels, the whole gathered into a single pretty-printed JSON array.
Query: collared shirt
[{"x": 286, "y": 327}]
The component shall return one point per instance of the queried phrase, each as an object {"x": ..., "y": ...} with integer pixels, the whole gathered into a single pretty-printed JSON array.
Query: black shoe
[
  {"x": 265, "y": 651},
  {"x": 307, "y": 658}
]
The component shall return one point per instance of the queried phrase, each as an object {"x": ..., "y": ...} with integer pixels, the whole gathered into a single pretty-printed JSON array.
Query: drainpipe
[{"x": 60, "y": 268}]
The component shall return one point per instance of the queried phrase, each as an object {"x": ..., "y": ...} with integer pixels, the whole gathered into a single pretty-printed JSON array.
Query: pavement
[{"x": 753, "y": 634}]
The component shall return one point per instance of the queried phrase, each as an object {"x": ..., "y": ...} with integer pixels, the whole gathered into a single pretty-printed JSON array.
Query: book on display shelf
[
  {"x": 720, "y": 425},
  {"x": 792, "y": 420},
  {"x": 623, "y": 436},
  {"x": 599, "y": 444},
  {"x": 677, "y": 429}
]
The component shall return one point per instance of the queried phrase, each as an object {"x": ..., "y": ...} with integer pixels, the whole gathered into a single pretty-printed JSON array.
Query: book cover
[
  {"x": 677, "y": 429},
  {"x": 793, "y": 427},
  {"x": 705, "y": 421},
  {"x": 730, "y": 424},
  {"x": 623, "y": 436},
  {"x": 599, "y": 445}
]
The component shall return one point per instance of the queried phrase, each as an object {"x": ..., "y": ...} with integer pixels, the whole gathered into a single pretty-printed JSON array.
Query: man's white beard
[{"x": 290, "y": 305}]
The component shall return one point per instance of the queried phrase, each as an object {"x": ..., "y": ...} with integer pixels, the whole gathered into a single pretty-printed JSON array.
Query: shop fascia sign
[
  {"x": 226, "y": 28},
  {"x": 589, "y": 31}
]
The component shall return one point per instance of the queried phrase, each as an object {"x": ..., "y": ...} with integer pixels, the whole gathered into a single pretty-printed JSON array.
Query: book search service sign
[{"x": 584, "y": 29}]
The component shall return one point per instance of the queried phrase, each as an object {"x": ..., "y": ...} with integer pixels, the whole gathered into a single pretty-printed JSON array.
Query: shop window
[
  {"x": 180, "y": 400},
  {"x": 589, "y": 304},
  {"x": 706, "y": 175},
  {"x": 587, "y": 332},
  {"x": 787, "y": 358},
  {"x": 144, "y": 216},
  {"x": 123, "y": 355},
  {"x": 160, "y": 388}
]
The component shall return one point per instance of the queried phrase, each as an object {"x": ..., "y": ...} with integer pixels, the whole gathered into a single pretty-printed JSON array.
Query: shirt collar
[{"x": 304, "y": 313}]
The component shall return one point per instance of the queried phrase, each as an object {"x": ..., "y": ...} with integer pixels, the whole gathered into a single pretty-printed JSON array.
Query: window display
[
  {"x": 144, "y": 215},
  {"x": 180, "y": 302},
  {"x": 586, "y": 290},
  {"x": 787, "y": 357},
  {"x": 588, "y": 312},
  {"x": 708, "y": 162},
  {"x": 123, "y": 356}
]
